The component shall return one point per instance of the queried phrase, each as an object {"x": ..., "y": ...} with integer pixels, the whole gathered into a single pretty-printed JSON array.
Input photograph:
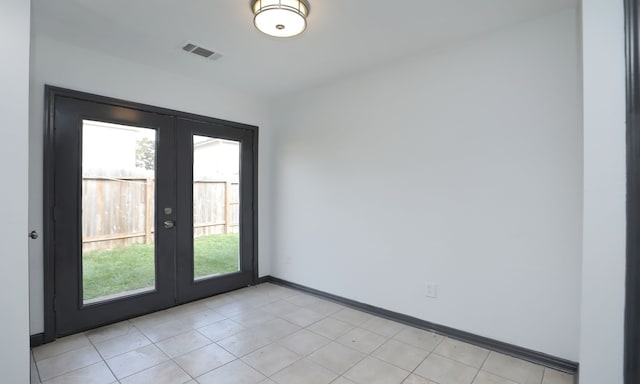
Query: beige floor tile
[
  {"x": 277, "y": 290},
  {"x": 351, "y": 316},
  {"x": 400, "y": 354},
  {"x": 415, "y": 379},
  {"x": 234, "y": 308},
  {"x": 243, "y": 343},
  {"x": 303, "y": 300},
  {"x": 187, "y": 309},
  {"x": 337, "y": 357},
  {"x": 270, "y": 359},
  {"x": 489, "y": 378},
  {"x": 419, "y": 338},
  {"x": 97, "y": 373},
  {"x": 221, "y": 329},
  {"x": 362, "y": 340},
  {"x": 325, "y": 307},
  {"x": 121, "y": 344},
  {"x": 445, "y": 371},
  {"x": 110, "y": 331},
  {"x": 152, "y": 319},
  {"x": 60, "y": 346},
  {"x": 342, "y": 380},
  {"x": 384, "y": 327},
  {"x": 201, "y": 318},
  {"x": 236, "y": 372},
  {"x": 552, "y": 376},
  {"x": 303, "y": 317},
  {"x": 304, "y": 342},
  {"x": 330, "y": 328},
  {"x": 240, "y": 293},
  {"x": 275, "y": 329},
  {"x": 135, "y": 361},
  {"x": 248, "y": 294},
  {"x": 268, "y": 297},
  {"x": 374, "y": 371},
  {"x": 513, "y": 369},
  {"x": 66, "y": 362},
  {"x": 183, "y": 343},
  {"x": 164, "y": 373},
  {"x": 465, "y": 353},
  {"x": 163, "y": 330},
  {"x": 217, "y": 301},
  {"x": 252, "y": 318},
  {"x": 204, "y": 360},
  {"x": 304, "y": 371},
  {"x": 279, "y": 307}
]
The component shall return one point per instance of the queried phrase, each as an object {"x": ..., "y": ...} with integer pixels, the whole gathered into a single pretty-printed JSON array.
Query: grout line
[
  {"x": 485, "y": 358},
  {"x": 36, "y": 366},
  {"x": 476, "y": 375},
  {"x": 101, "y": 356}
]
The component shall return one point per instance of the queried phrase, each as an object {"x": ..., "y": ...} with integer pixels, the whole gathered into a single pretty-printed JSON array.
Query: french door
[{"x": 148, "y": 208}]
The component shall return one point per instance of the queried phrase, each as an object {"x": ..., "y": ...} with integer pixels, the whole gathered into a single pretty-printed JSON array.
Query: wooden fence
[{"x": 120, "y": 211}]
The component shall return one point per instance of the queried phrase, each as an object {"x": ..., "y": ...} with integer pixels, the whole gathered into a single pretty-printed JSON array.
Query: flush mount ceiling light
[{"x": 280, "y": 18}]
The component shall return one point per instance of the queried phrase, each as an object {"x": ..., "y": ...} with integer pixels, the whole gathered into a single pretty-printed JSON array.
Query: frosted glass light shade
[{"x": 280, "y": 18}]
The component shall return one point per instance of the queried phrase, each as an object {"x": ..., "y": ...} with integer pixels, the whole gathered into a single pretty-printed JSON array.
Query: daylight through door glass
[
  {"x": 216, "y": 206},
  {"x": 118, "y": 205}
]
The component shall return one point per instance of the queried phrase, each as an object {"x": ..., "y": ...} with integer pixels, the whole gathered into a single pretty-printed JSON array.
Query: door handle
[
  {"x": 33, "y": 235},
  {"x": 169, "y": 224}
]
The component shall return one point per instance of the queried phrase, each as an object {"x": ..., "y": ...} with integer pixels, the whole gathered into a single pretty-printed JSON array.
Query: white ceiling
[{"x": 343, "y": 36}]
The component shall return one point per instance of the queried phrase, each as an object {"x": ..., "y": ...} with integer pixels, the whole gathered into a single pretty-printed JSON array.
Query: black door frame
[
  {"x": 51, "y": 94},
  {"x": 72, "y": 315},
  {"x": 632, "y": 300},
  {"x": 189, "y": 289}
]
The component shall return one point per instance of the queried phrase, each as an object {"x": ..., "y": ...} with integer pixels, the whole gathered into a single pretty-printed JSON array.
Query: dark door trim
[
  {"x": 72, "y": 314},
  {"x": 48, "y": 215},
  {"x": 632, "y": 301},
  {"x": 51, "y": 94},
  {"x": 187, "y": 288}
]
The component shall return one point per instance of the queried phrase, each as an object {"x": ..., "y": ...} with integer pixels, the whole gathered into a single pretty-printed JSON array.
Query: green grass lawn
[{"x": 129, "y": 268}]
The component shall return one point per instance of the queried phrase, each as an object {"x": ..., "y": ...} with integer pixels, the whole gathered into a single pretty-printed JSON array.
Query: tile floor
[{"x": 271, "y": 334}]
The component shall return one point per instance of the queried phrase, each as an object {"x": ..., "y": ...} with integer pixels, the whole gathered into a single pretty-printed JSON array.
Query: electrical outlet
[{"x": 432, "y": 290}]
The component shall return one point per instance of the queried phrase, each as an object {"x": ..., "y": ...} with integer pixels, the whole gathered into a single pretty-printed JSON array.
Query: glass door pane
[
  {"x": 216, "y": 207},
  {"x": 118, "y": 206}
]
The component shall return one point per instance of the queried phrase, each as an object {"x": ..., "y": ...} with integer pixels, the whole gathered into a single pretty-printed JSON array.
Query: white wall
[
  {"x": 59, "y": 64},
  {"x": 14, "y": 125},
  {"x": 603, "y": 262},
  {"x": 462, "y": 168}
]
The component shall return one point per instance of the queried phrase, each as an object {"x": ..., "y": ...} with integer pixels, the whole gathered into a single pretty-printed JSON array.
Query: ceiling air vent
[{"x": 200, "y": 51}]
